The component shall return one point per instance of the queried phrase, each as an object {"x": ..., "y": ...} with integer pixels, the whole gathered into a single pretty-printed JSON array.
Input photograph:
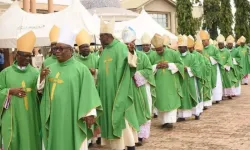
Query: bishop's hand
[
  {"x": 18, "y": 92},
  {"x": 164, "y": 65},
  {"x": 44, "y": 73},
  {"x": 185, "y": 69},
  {"x": 93, "y": 71},
  {"x": 90, "y": 120}
]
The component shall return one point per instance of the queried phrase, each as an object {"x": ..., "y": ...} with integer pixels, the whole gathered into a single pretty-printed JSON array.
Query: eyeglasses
[
  {"x": 61, "y": 48},
  {"x": 27, "y": 56}
]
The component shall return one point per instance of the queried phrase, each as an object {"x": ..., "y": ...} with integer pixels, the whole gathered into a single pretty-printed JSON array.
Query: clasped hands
[{"x": 162, "y": 65}]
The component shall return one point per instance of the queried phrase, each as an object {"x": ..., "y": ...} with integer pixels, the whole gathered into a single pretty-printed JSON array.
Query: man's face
[
  {"x": 23, "y": 58},
  {"x": 182, "y": 49},
  {"x": 84, "y": 50},
  {"x": 53, "y": 48},
  {"x": 191, "y": 49},
  {"x": 131, "y": 46},
  {"x": 242, "y": 44},
  {"x": 146, "y": 47},
  {"x": 159, "y": 50},
  {"x": 105, "y": 38},
  {"x": 221, "y": 45},
  {"x": 205, "y": 43},
  {"x": 63, "y": 52},
  {"x": 230, "y": 45}
]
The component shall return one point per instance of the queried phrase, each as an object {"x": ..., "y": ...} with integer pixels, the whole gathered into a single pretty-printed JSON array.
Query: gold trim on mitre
[
  {"x": 238, "y": 42},
  {"x": 220, "y": 39},
  {"x": 230, "y": 39},
  {"x": 157, "y": 41},
  {"x": 26, "y": 42},
  {"x": 166, "y": 40},
  {"x": 198, "y": 45},
  {"x": 83, "y": 37},
  {"x": 145, "y": 39},
  {"x": 190, "y": 41},
  {"x": 204, "y": 35},
  {"x": 182, "y": 40},
  {"x": 54, "y": 34},
  {"x": 107, "y": 27},
  {"x": 242, "y": 39}
]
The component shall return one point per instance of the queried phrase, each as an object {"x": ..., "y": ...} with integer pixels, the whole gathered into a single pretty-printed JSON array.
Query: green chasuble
[
  {"x": 91, "y": 61},
  {"x": 20, "y": 123},
  {"x": 211, "y": 51},
  {"x": 244, "y": 51},
  {"x": 228, "y": 77},
  {"x": 50, "y": 60},
  {"x": 69, "y": 95},
  {"x": 235, "y": 54},
  {"x": 190, "y": 97},
  {"x": 168, "y": 85},
  {"x": 204, "y": 82},
  {"x": 142, "y": 107},
  {"x": 114, "y": 82},
  {"x": 149, "y": 54}
]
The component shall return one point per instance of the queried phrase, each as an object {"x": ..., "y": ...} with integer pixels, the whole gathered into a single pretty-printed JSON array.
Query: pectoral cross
[
  {"x": 107, "y": 61},
  {"x": 162, "y": 61},
  {"x": 25, "y": 99},
  {"x": 244, "y": 52},
  {"x": 223, "y": 57},
  {"x": 55, "y": 81}
]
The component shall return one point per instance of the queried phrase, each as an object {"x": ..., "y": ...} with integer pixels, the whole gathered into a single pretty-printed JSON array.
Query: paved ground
[{"x": 225, "y": 126}]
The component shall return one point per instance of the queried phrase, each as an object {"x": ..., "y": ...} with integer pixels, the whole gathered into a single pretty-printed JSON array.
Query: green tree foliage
[
  {"x": 185, "y": 17},
  {"x": 211, "y": 17},
  {"x": 226, "y": 18},
  {"x": 242, "y": 19}
]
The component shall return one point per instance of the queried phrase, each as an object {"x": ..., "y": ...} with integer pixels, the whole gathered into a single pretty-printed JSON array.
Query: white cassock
[
  {"x": 145, "y": 128},
  {"x": 170, "y": 116},
  {"x": 217, "y": 92},
  {"x": 238, "y": 90},
  {"x": 199, "y": 108},
  {"x": 228, "y": 91},
  {"x": 245, "y": 79},
  {"x": 196, "y": 110}
]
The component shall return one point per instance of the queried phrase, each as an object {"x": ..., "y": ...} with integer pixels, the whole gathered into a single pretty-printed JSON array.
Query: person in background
[{"x": 1, "y": 60}]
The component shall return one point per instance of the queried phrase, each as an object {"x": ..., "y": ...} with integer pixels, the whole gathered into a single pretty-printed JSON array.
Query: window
[{"x": 162, "y": 19}]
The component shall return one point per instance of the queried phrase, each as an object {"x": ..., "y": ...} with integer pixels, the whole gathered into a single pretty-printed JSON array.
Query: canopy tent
[
  {"x": 143, "y": 23},
  {"x": 15, "y": 21},
  {"x": 5, "y": 2}
]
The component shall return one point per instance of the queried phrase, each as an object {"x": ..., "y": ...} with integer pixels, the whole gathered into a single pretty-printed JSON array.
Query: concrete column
[
  {"x": 173, "y": 23},
  {"x": 26, "y": 5},
  {"x": 33, "y": 6},
  {"x": 50, "y": 6}
]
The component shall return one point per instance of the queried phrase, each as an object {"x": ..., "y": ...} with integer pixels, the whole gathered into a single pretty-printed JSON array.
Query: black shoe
[
  {"x": 230, "y": 97},
  {"x": 205, "y": 108},
  {"x": 170, "y": 126},
  {"x": 217, "y": 102},
  {"x": 197, "y": 117},
  {"x": 245, "y": 83},
  {"x": 155, "y": 116},
  {"x": 90, "y": 145},
  {"x": 181, "y": 119},
  {"x": 99, "y": 141},
  {"x": 131, "y": 148},
  {"x": 140, "y": 140}
]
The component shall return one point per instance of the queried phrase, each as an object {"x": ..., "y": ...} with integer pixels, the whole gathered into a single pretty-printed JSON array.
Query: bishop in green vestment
[
  {"x": 204, "y": 83},
  {"x": 146, "y": 45},
  {"x": 189, "y": 101},
  {"x": 236, "y": 60},
  {"x": 244, "y": 51},
  {"x": 119, "y": 124},
  {"x": 54, "y": 33},
  {"x": 70, "y": 100},
  {"x": 212, "y": 53},
  {"x": 20, "y": 121},
  {"x": 89, "y": 59},
  {"x": 169, "y": 73},
  {"x": 143, "y": 85},
  {"x": 227, "y": 69}
]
